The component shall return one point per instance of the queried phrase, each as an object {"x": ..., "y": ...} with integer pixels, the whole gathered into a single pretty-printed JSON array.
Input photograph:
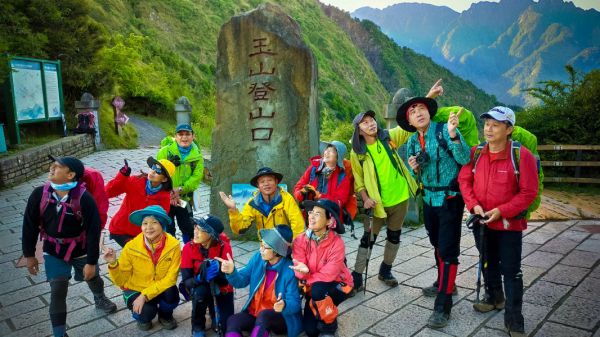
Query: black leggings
[
  {"x": 184, "y": 221},
  {"x": 267, "y": 319}
]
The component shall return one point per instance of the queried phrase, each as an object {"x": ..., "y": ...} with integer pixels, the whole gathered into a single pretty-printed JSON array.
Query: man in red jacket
[{"x": 494, "y": 189}]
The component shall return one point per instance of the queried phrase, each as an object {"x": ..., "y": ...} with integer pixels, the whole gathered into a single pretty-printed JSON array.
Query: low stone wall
[{"x": 30, "y": 163}]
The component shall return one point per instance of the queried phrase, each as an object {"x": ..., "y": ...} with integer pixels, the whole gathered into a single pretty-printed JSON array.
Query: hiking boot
[
  {"x": 432, "y": 291},
  {"x": 438, "y": 319},
  {"x": 358, "y": 283},
  {"x": 144, "y": 326},
  {"x": 104, "y": 304},
  {"x": 385, "y": 275},
  {"x": 488, "y": 304},
  {"x": 168, "y": 323}
]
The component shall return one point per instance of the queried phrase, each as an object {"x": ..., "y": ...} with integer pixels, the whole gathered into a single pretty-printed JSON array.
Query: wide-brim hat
[
  {"x": 75, "y": 165},
  {"x": 340, "y": 148},
  {"x": 402, "y": 118},
  {"x": 357, "y": 119},
  {"x": 155, "y": 211},
  {"x": 211, "y": 225},
  {"x": 265, "y": 171},
  {"x": 167, "y": 169},
  {"x": 279, "y": 239},
  {"x": 330, "y": 207}
]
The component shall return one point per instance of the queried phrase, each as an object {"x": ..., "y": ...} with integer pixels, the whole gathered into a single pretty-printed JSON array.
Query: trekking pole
[
  {"x": 482, "y": 263},
  {"x": 213, "y": 291},
  {"x": 369, "y": 221}
]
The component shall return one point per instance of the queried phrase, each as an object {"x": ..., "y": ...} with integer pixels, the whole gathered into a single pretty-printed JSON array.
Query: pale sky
[{"x": 457, "y": 5}]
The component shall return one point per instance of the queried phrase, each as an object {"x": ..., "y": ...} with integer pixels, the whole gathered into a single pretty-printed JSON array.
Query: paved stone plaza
[{"x": 560, "y": 266}]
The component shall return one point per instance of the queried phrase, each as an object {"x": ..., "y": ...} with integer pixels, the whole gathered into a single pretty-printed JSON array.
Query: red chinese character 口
[{"x": 262, "y": 133}]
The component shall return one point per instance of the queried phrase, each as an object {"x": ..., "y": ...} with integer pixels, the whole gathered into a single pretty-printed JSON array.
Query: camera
[{"x": 422, "y": 157}]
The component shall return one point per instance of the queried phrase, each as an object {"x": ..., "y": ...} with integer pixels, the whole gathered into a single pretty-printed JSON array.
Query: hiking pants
[
  {"x": 443, "y": 225},
  {"x": 163, "y": 304},
  {"x": 58, "y": 273},
  {"x": 184, "y": 221},
  {"x": 203, "y": 299},
  {"x": 268, "y": 320}
]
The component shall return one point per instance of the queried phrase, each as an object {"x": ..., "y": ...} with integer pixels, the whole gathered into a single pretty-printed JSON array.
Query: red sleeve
[
  {"x": 226, "y": 250},
  {"x": 335, "y": 262},
  {"x": 303, "y": 181},
  {"x": 465, "y": 181},
  {"x": 299, "y": 254},
  {"x": 186, "y": 256},
  {"x": 528, "y": 186},
  {"x": 117, "y": 186}
]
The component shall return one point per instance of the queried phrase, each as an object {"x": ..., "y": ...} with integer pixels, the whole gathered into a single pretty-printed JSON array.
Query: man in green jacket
[
  {"x": 189, "y": 171},
  {"x": 385, "y": 185}
]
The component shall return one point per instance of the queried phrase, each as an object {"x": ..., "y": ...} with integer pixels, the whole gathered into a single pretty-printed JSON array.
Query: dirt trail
[{"x": 558, "y": 205}]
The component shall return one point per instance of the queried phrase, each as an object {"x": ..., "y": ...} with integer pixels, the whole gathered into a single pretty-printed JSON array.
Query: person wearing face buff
[
  {"x": 140, "y": 191},
  {"x": 273, "y": 304},
  {"x": 147, "y": 269},
  {"x": 66, "y": 218},
  {"x": 189, "y": 171},
  {"x": 319, "y": 255}
]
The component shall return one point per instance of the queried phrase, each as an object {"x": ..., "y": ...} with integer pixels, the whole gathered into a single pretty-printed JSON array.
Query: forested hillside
[{"x": 151, "y": 52}]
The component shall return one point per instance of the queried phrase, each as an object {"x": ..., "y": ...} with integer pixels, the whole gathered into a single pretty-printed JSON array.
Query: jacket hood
[{"x": 359, "y": 145}]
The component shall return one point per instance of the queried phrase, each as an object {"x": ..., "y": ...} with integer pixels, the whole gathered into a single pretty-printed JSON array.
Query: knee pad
[
  {"x": 364, "y": 241},
  {"x": 394, "y": 236},
  {"x": 324, "y": 310}
]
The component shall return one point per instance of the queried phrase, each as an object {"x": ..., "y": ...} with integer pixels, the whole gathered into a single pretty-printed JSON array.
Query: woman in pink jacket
[{"x": 319, "y": 255}]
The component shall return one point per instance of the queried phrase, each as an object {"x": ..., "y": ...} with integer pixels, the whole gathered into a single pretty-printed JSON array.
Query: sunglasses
[{"x": 157, "y": 169}]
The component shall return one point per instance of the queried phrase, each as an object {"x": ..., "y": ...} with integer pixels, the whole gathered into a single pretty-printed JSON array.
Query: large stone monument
[{"x": 266, "y": 101}]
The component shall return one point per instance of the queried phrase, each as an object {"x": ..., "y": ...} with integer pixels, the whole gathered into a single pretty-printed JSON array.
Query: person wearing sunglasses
[{"x": 140, "y": 191}]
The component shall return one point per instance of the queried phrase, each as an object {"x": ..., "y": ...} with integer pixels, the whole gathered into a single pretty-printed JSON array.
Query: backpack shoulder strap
[
  {"x": 515, "y": 157},
  {"x": 76, "y": 195},
  {"x": 439, "y": 135},
  {"x": 45, "y": 199},
  {"x": 477, "y": 155},
  {"x": 313, "y": 174}
]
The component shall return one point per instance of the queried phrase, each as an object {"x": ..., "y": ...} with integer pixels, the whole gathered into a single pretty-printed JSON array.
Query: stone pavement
[{"x": 560, "y": 265}]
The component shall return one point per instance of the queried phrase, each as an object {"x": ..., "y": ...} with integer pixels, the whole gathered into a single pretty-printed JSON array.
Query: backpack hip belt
[{"x": 72, "y": 242}]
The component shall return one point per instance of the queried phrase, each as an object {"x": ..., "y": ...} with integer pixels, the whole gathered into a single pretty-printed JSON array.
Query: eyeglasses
[
  {"x": 263, "y": 246},
  {"x": 156, "y": 169},
  {"x": 315, "y": 213}
]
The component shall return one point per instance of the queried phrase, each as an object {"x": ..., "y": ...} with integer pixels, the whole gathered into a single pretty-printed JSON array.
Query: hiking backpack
[
  {"x": 86, "y": 122},
  {"x": 75, "y": 206},
  {"x": 515, "y": 158}
]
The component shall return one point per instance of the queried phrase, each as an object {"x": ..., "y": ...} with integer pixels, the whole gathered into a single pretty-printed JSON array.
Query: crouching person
[
  {"x": 147, "y": 269},
  {"x": 273, "y": 304},
  {"x": 201, "y": 277},
  {"x": 319, "y": 265}
]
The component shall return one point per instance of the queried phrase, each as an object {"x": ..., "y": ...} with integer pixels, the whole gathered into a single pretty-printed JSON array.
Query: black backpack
[{"x": 85, "y": 123}]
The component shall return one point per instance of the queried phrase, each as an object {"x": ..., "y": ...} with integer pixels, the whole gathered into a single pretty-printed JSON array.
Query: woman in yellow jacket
[{"x": 147, "y": 269}]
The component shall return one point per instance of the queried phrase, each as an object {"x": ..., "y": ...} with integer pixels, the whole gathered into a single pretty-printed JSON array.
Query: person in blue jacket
[{"x": 274, "y": 303}]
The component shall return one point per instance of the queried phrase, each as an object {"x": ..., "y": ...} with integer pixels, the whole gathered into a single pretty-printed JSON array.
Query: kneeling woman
[
  {"x": 274, "y": 301},
  {"x": 319, "y": 264},
  {"x": 147, "y": 269}
]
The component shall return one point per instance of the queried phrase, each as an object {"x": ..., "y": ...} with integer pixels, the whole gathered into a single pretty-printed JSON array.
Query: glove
[
  {"x": 174, "y": 159},
  {"x": 125, "y": 170},
  {"x": 212, "y": 271},
  {"x": 309, "y": 193}
]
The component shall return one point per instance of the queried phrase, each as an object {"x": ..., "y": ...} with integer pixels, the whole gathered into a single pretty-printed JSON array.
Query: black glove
[
  {"x": 174, "y": 159},
  {"x": 125, "y": 170}
]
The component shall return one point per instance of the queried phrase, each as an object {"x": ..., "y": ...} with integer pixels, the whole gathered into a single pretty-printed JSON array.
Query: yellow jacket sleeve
[
  {"x": 122, "y": 272},
  {"x": 239, "y": 221},
  {"x": 294, "y": 215},
  {"x": 357, "y": 173}
]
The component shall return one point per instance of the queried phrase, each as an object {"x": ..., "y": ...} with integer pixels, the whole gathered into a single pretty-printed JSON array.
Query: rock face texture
[{"x": 266, "y": 101}]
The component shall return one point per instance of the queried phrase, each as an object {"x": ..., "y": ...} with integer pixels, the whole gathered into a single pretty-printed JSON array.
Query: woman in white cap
[
  {"x": 273, "y": 303},
  {"x": 147, "y": 269}
]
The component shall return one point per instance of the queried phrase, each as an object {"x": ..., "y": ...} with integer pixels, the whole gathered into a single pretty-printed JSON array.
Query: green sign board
[{"x": 36, "y": 90}]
